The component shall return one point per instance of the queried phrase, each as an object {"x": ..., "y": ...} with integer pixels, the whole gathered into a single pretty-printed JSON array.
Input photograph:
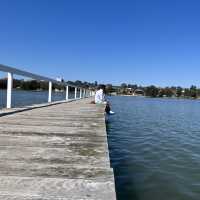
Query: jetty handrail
[{"x": 14, "y": 71}]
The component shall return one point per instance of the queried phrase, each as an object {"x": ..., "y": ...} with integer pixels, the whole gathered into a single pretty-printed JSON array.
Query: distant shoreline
[{"x": 189, "y": 98}]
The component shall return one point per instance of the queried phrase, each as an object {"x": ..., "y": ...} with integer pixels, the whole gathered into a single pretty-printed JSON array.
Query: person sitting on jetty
[{"x": 100, "y": 99}]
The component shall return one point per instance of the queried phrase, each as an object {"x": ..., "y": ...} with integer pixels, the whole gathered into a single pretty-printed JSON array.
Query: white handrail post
[
  {"x": 50, "y": 92},
  {"x": 67, "y": 92},
  {"x": 80, "y": 93},
  {"x": 84, "y": 93},
  {"x": 75, "y": 93},
  {"x": 9, "y": 90}
]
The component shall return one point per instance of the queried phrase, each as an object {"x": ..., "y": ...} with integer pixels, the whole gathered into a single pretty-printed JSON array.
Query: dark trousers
[{"x": 107, "y": 109}]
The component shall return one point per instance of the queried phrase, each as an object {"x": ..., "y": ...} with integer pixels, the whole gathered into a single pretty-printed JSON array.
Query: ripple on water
[{"x": 155, "y": 148}]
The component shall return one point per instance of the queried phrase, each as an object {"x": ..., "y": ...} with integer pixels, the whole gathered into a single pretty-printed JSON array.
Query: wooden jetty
[{"x": 57, "y": 152}]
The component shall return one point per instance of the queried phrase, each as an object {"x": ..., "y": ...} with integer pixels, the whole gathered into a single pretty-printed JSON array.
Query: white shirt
[{"x": 99, "y": 96}]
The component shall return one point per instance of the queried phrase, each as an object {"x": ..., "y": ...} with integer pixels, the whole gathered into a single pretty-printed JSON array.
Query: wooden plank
[
  {"x": 54, "y": 155},
  {"x": 55, "y": 188},
  {"x": 56, "y": 152},
  {"x": 55, "y": 170},
  {"x": 98, "y": 143}
]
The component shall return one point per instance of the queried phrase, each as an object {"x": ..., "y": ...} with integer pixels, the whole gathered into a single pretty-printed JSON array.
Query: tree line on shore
[
  {"x": 153, "y": 91},
  {"x": 123, "y": 89},
  {"x": 35, "y": 85}
]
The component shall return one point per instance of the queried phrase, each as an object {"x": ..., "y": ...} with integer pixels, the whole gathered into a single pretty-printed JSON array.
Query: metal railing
[{"x": 14, "y": 71}]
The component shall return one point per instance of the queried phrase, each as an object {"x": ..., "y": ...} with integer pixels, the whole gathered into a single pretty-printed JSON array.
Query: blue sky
[{"x": 111, "y": 41}]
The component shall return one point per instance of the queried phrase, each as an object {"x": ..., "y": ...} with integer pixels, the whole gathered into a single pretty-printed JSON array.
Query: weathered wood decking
[{"x": 59, "y": 152}]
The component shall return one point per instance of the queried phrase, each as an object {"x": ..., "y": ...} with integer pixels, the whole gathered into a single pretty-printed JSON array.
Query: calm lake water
[
  {"x": 155, "y": 148},
  {"x": 25, "y": 98}
]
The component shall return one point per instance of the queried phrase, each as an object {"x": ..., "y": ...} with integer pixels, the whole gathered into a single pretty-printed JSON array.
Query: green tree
[
  {"x": 187, "y": 92},
  {"x": 109, "y": 88},
  {"x": 134, "y": 87},
  {"x": 3, "y": 83},
  {"x": 193, "y": 91},
  {"x": 152, "y": 91},
  {"x": 123, "y": 85},
  {"x": 168, "y": 92},
  {"x": 78, "y": 83},
  {"x": 179, "y": 91},
  {"x": 198, "y": 92},
  {"x": 161, "y": 93},
  {"x": 123, "y": 88}
]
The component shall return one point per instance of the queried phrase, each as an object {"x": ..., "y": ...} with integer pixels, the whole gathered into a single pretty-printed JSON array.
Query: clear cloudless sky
[{"x": 111, "y": 41}]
